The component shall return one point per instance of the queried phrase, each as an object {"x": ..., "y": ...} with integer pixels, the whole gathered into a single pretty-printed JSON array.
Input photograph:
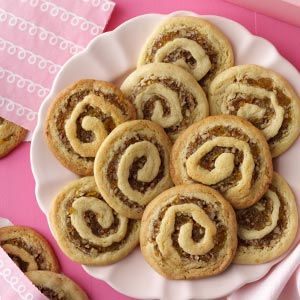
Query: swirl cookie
[
  {"x": 167, "y": 95},
  {"x": 267, "y": 229},
  {"x": 56, "y": 286},
  {"x": 189, "y": 231},
  {"x": 28, "y": 249},
  {"x": 11, "y": 135},
  {"x": 191, "y": 43},
  {"x": 264, "y": 98},
  {"x": 228, "y": 154},
  {"x": 132, "y": 166},
  {"x": 80, "y": 118},
  {"x": 87, "y": 229}
]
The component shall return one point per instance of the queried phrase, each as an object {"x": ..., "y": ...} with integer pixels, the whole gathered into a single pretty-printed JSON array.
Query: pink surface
[
  {"x": 36, "y": 38},
  {"x": 17, "y": 201}
]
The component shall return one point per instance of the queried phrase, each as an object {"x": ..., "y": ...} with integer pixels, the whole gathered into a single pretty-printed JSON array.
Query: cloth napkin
[
  {"x": 14, "y": 285},
  {"x": 36, "y": 39},
  {"x": 282, "y": 282}
]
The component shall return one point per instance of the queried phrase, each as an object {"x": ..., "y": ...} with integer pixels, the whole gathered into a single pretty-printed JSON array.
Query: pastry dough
[
  {"x": 227, "y": 153},
  {"x": 264, "y": 98},
  {"x": 192, "y": 43},
  {"x": 132, "y": 166},
  {"x": 80, "y": 118},
  {"x": 28, "y": 249},
  {"x": 267, "y": 229},
  {"x": 167, "y": 95},
  {"x": 87, "y": 229},
  {"x": 189, "y": 231}
]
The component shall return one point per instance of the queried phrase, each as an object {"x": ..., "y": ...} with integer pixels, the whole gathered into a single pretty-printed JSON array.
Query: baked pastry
[
  {"x": 56, "y": 286},
  {"x": 267, "y": 229},
  {"x": 80, "y": 118},
  {"x": 264, "y": 98},
  {"x": 28, "y": 249},
  {"x": 227, "y": 153},
  {"x": 189, "y": 231},
  {"x": 191, "y": 43},
  {"x": 132, "y": 166},
  {"x": 89, "y": 231},
  {"x": 11, "y": 135},
  {"x": 166, "y": 94}
]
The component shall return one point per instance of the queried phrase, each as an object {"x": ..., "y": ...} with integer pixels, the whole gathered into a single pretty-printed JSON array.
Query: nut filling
[
  {"x": 187, "y": 101},
  {"x": 198, "y": 231},
  {"x": 83, "y": 135},
  {"x": 37, "y": 254},
  {"x": 283, "y": 101},
  {"x": 191, "y": 34},
  {"x": 135, "y": 184},
  {"x": 91, "y": 221},
  {"x": 181, "y": 53},
  {"x": 208, "y": 161},
  {"x": 52, "y": 295},
  {"x": 251, "y": 218}
]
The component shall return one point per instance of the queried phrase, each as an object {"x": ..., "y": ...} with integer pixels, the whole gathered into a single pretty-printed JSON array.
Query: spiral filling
[
  {"x": 198, "y": 231},
  {"x": 137, "y": 165},
  {"x": 283, "y": 101},
  {"x": 30, "y": 251},
  {"x": 258, "y": 217},
  {"x": 179, "y": 53},
  {"x": 209, "y": 160},
  {"x": 99, "y": 231},
  {"x": 187, "y": 102},
  {"x": 49, "y": 293},
  {"x": 191, "y": 34},
  {"x": 84, "y": 136}
]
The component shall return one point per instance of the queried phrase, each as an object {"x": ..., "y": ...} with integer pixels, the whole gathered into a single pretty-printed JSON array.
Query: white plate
[{"x": 109, "y": 57}]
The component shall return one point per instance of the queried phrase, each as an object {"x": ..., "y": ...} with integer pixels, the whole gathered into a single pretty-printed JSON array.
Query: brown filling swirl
[
  {"x": 36, "y": 253},
  {"x": 187, "y": 101},
  {"x": 251, "y": 220},
  {"x": 208, "y": 161},
  {"x": 192, "y": 34},
  {"x": 198, "y": 231},
  {"x": 140, "y": 186},
  {"x": 68, "y": 106},
  {"x": 52, "y": 295},
  {"x": 181, "y": 53},
  {"x": 90, "y": 218}
]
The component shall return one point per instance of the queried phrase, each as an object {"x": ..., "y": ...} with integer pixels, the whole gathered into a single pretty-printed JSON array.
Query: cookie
[
  {"x": 227, "y": 153},
  {"x": 11, "y": 135},
  {"x": 267, "y": 229},
  {"x": 189, "y": 231},
  {"x": 80, "y": 118},
  {"x": 192, "y": 43},
  {"x": 166, "y": 94},
  {"x": 132, "y": 166},
  {"x": 87, "y": 229},
  {"x": 264, "y": 98},
  {"x": 28, "y": 249},
  {"x": 56, "y": 286}
]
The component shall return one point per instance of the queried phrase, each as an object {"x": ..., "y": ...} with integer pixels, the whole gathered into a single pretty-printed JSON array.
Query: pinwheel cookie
[
  {"x": 167, "y": 95},
  {"x": 189, "y": 231},
  {"x": 87, "y": 229},
  {"x": 28, "y": 249},
  {"x": 191, "y": 43},
  {"x": 56, "y": 286},
  {"x": 267, "y": 229},
  {"x": 132, "y": 166},
  {"x": 11, "y": 135},
  {"x": 227, "y": 153},
  {"x": 80, "y": 118},
  {"x": 264, "y": 98}
]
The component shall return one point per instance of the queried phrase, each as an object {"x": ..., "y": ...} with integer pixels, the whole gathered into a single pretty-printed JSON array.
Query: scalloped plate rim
[{"x": 86, "y": 52}]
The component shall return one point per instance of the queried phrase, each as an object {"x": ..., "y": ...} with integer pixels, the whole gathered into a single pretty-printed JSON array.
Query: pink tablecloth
[{"x": 17, "y": 200}]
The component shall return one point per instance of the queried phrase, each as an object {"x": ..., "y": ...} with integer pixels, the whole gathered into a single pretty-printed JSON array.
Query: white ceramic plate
[{"x": 110, "y": 57}]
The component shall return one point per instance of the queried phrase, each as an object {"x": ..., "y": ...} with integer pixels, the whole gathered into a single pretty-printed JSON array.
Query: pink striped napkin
[{"x": 36, "y": 38}]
